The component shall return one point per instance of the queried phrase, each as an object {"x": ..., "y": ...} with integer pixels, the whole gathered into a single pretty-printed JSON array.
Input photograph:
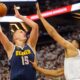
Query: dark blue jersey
[{"x": 21, "y": 68}]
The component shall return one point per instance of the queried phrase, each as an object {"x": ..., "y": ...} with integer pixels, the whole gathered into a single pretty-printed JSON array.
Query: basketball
[{"x": 3, "y": 9}]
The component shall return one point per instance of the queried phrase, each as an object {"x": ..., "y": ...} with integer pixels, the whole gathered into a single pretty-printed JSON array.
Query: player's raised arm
[
  {"x": 8, "y": 46},
  {"x": 52, "y": 31},
  {"x": 34, "y": 28}
]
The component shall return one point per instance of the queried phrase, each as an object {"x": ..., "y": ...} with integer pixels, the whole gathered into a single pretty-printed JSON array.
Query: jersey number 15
[{"x": 25, "y": 60}]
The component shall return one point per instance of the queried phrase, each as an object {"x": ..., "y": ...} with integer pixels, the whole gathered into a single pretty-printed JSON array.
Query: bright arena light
[{"x": 53, "y": 12}]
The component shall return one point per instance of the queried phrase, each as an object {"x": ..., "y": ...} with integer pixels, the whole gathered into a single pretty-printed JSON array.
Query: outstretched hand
[
  {"x": 38, "y": 10},
  {"x": 17, "y": 14}
]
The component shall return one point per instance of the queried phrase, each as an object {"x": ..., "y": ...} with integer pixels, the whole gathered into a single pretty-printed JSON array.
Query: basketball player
[
  {"x": 72, "y": 51},
  {"x": 23, "y": 50}
]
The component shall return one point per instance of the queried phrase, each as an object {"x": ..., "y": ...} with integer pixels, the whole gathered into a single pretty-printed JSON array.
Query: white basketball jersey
[{"x": 72, "y": 67}]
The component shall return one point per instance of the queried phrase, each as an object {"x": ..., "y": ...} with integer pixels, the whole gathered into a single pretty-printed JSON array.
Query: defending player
[{"x": 72, "y": 52}]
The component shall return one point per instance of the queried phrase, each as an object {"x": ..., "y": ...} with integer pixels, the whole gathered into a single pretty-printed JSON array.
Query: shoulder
[{"x": 33, "y": 49}]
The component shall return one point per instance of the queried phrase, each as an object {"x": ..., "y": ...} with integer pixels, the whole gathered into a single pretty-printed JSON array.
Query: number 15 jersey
[{"x": 21, "y": 68}]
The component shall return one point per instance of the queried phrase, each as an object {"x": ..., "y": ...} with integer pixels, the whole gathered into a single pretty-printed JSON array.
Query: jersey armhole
[{"x": 12, "y": 53}]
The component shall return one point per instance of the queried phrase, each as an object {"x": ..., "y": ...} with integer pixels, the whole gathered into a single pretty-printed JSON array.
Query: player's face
[
  {"x": 20, "y": 35},
  {"x": 75, "y": 43}
]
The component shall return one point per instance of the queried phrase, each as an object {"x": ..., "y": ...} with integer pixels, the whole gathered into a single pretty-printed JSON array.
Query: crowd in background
[{"x": 49, "y": 56}]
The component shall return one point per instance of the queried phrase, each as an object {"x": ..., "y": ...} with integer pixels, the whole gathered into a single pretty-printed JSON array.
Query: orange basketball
[{"x": 3, "y": 9}]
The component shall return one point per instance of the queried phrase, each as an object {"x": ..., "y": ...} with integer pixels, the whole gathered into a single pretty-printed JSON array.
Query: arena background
[{"x": 50, "y": 55}]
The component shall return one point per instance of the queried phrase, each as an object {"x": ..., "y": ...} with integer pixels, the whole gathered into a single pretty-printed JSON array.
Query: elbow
[{"x": 36, "y": 26}]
